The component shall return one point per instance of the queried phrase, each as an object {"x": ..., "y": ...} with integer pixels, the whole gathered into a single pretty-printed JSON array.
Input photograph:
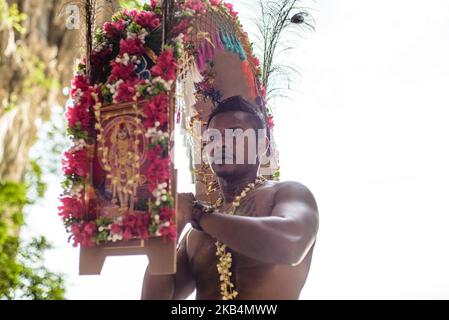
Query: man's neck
[{"x": 233, "y": 186}]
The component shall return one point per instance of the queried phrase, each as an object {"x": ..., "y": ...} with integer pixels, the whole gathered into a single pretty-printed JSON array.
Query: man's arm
[
  {"x": 284, "y": 237},
  {"x": 173, "y": 286},
  {"x": 179, "y": 285}
]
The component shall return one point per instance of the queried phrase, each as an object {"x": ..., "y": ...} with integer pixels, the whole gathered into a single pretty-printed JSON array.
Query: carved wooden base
[{"x": 162, "y": 255}]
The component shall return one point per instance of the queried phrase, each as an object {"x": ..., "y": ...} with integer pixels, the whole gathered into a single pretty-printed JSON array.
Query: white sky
[{"x": 367, "y": 133}]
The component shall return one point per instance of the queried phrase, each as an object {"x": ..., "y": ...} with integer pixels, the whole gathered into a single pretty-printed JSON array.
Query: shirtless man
[{"x": 271, "y": 235}]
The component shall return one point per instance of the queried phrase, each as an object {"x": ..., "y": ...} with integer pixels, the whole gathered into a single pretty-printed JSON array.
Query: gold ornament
[{"x": 227, "y": 288}]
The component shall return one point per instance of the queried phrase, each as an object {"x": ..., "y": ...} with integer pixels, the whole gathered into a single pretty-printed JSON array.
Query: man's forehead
[{"x": 231, "y": 117}]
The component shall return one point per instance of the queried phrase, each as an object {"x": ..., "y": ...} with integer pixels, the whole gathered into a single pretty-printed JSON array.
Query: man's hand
[{"x": 199, "y": 209}]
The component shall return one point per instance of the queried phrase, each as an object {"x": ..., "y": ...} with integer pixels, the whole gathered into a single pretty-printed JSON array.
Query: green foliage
[
  {"x": 11, "y": 17},
  {"x": 130, "y": 4},
  {"x": 36, "y": 282},
  {"x": 22, "y": 271},
  {"x": 37, "y": 75}
]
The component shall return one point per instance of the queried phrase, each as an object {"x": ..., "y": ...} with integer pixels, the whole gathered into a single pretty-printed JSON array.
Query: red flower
[
  {"x": 215, "y": 2},
  {"x": 130, "y": 13},
  {"x": 75, "y": 163},
  {"x": 195, "y": 5},
  {"x": 79, "y": 82},
  {"x": 180, "y": 28},
  {"x": 169, "y": 232},
  {"x": 154, "y": 3},
  {"x": 270, "y": 122},
  {"x": 121, "y": 71},
  {"x": 256, "y": 62},
  {"x": 114, "y": 29},
  {"x": 166, "y": 66},
  {"x": 126, "y": 90},
  {"x": 264, "y": 91},
  {"x": 115, "y": 228},
  {"x": 71, "y": 208},
  {"x": 83, "y": 233},
  {"x": 156, "y": 109},
  {"x": 148, "y": 20},
  {"x": 142, "y": 225},
  {"x": 127, "y": 234},
  {"x": 136, "y": 225},
  {"x": 231, "y": 9},
  {"x": 131, "y": 46},
  {"x": 167, "y": 213},
  {"x": 101, "y": 58},
  {"x": 158, "y": 170},
  {"x": 78, "y": 114}
]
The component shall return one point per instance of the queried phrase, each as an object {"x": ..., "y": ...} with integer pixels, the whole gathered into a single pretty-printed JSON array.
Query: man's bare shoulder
[{"x": 292, "y": 190}]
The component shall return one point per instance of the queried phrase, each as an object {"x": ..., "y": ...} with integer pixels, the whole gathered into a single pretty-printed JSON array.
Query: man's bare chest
[{"x": 201, "y": 247}]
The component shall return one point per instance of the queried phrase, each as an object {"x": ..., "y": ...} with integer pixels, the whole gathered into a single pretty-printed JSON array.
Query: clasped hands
[{"x": 191, "y": 210}]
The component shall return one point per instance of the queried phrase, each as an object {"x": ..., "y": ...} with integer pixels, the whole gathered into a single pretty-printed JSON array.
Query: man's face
[{"x": 233, "y": 143}]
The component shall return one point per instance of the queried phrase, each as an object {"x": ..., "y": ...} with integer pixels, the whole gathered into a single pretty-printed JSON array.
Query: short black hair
[{"x": 238, "y": 103}]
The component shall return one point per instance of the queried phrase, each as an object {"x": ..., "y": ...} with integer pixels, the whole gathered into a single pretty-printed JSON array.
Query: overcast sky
[{"x": 367, "y": 132}]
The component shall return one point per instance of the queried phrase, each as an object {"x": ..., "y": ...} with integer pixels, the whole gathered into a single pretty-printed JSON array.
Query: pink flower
[
  {"x": 127, "y": 234},
  {"x": 270, "y": 122},
  {"x": 256, "y": 62},
  {"x": 166, "y": 66},
  {"x": 231, "y": 9},
  {"x": 83, "y": 233},
  {"x": 78, "y": 114},
  {"x": 148, "y": 20},
  {"x": 158, "y": 170},
  {"x": 116, "y": 229},
  {"x": 71, "y": 208},
  {"x": 154, "y": 3},
  {"x": 101, "y": 59},
  {"x": 215, "y": 2},
  {"x": 130, "y": 13},
  {"x": 136, "y": 225},
  {"x": 169, "y": 232},
  {"x": 195, "y": 5},
  {"x": 121, "y": 71},
  {"x": 180, "y": 28},
  {"x": 79, "y": 82},
  {"x": 263, "y": 91},
  {"x": 126, "y": 90},
  {"x": 131, "y": 46},
  {"x": 156, "y": 109},
  {"x": 167, "y": 213},
  {"x": 114, "y": 29},
  {"x": 142, "y": 225},
  {"x": 75, "y": 163}
]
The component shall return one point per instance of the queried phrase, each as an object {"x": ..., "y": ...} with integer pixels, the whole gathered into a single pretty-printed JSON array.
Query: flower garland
[
  {"x": 123, "y": 48},
  {"x": 228, "y": 290},
  {"x": 130, "y": 31}
]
